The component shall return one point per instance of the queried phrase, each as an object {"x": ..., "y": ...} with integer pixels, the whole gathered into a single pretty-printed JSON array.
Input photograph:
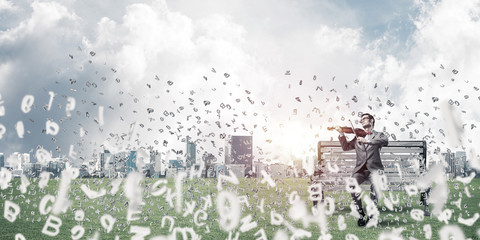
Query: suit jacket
[{"x": 368, "y": 154}]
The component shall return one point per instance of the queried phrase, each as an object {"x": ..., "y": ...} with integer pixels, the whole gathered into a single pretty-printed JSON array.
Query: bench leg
[
  {"x": 424, "y": 202},
  {"x": 373, "y": 195},
  {"x": 316, "y": 202}
]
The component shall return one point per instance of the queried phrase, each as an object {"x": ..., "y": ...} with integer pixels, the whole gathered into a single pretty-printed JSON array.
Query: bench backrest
[{"x": 403, "y": 161}]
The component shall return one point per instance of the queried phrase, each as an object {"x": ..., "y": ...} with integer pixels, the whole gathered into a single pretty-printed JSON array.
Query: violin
[{"x": 357, "y": 131}]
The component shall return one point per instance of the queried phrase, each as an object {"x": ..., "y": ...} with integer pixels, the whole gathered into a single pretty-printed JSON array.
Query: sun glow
[{"x": 297, "y": 139}]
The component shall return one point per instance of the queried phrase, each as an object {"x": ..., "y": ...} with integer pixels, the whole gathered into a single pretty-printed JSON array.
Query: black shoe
[
  {"x": 426, "y": 212},
  {"x": 362, "y": 221}
]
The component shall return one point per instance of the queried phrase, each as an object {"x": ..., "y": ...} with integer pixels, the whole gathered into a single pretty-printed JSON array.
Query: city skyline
[{"x": 119, "y": 165}]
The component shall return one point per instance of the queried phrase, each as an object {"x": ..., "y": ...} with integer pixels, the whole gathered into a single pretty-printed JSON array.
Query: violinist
[{"x": 367, "y": 147}]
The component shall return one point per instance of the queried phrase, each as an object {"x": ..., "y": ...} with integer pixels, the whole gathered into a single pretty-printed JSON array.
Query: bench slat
[
  {"x": 384, "y": 150},
  {"x": 350, "y": 165},
  {"x": 390, "y": 143},
  {"x": 349, "y": 174},
  {"x": 384, "y": 156},
  {"x": 364, "y": 188},
  {"x": 352, "y": 162},
  {"x": 384, "y": 159}
]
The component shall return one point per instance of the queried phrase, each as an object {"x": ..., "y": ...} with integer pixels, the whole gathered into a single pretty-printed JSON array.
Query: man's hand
[
  {"x": 339, "y": 129},
  {"x": 362, "y": 140}
]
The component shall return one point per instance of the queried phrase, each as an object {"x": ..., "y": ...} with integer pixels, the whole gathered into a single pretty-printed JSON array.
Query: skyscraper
[
  {"x": 158, "y": 164},
  {"x": 461, "y": 163},
  {"x": 228, "y": 152},
  {"x": 191, "y": 152},
  {"x": 105, "y": 160},
  {"x": 208, "y": 160},
  {"x": 450, "y": 160},
  {"x": 242, "y": 151},
  {"x": 56, "y": 166},
  {"x": 2, "y": 160},
  {"x": 132, "y": 162}
]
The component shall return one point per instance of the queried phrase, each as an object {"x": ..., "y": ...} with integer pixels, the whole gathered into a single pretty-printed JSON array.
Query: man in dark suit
[{"x": 368, "y": 158}]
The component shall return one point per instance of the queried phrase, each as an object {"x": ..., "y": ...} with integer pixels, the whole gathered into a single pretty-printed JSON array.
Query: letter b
[
  {"x": 11, "y": 211},
  {"x": 53, "y": 223}
]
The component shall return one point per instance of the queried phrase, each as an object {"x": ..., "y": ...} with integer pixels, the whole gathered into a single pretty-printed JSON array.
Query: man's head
[{"x": 367, "y": 120}]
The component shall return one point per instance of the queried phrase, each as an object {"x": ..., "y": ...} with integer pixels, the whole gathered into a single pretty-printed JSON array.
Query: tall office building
[
  {"x": 25, "y": 158},
  {"x": 461, "y": 163},
  {"x": 131, "y": 163},
  {"x": 2, "y": 160},
  {"x": 258, "y": 167},
  {"x": 34, "y": 169},
  {"x": 158, "y": 164},
  {"x": 450, "y": 160},
  {"x": 120, "y": 162},
  {"x": 56, "y": 167},
  {"x": 91, "y": 165},
  {"x": 242, "y": 151},
  {"x": 191, "y": 153},
  {"x": 105, "y": 163},
  {"x": 209, "y": 161},
  {"x": 228, "y": 151}
]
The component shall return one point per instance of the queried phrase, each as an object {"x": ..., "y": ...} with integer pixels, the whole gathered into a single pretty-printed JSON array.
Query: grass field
[{"x": 30, "y": 222}]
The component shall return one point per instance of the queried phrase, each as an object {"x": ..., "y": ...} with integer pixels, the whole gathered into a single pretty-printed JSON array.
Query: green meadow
[{"x": 29, "y": 222}]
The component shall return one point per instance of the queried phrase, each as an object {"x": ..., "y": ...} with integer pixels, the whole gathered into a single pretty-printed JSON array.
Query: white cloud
[
  {"x": 443, "y": 43},
  {"x": 338, "y": 39},
  {"x": 45, "y": 17},
  {"x": 448, "y": 33},
  {"x": 6, "y": 5},
  {"x": 389, "y": 70}
]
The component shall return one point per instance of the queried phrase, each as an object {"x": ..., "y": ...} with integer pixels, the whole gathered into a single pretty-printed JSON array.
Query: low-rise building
[
  {"x": 278, "y": 170},
  {"x": 237, "y": 169}
]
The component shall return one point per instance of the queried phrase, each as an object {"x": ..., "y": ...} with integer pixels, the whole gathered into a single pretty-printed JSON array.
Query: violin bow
[{"x": 353, "y": 128}]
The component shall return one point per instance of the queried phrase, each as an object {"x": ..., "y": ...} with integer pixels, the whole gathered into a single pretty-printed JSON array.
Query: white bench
[{"x": 404, "y": 162}]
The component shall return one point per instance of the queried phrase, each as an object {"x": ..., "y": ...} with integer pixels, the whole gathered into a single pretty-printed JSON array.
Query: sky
[{"x": 125, "y": 75}]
